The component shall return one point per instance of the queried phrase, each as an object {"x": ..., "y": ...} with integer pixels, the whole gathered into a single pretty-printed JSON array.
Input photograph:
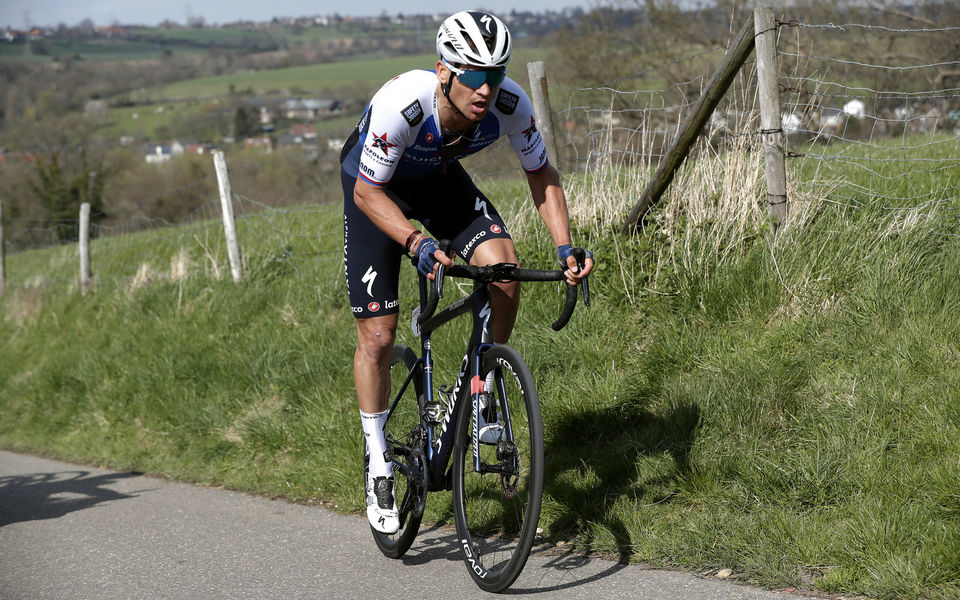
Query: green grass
[{"x": 784, "y": 406}]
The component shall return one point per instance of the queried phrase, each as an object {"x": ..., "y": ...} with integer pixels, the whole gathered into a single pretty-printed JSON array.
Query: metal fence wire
[{"x": 855, "y": 127}]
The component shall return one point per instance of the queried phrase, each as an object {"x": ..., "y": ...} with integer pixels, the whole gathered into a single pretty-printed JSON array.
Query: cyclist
[{"x": 401, "y": 163}]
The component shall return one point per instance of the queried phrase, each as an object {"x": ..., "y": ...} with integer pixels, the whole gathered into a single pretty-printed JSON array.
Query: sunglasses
[{"x": 476, "y": 79}]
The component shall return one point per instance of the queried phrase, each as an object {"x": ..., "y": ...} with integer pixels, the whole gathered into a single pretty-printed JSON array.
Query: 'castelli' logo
[
  {"x": 373, "y": 306},
  {"x": 495, "y": 228},
  {"x": 429, "y": 138}
]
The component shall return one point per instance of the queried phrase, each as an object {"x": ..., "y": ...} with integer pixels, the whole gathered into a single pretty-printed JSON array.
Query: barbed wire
[
  {"x": 603, "y": 124},
  {"x": 863, "y": 92},
  {"x": 845, "y": 26},
  {"x": 868, "y": 65}
]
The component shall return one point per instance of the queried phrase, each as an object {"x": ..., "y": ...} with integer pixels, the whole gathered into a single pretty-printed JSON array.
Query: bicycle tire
[
  {"x": 402, "y": 425},
  {"x": 496, "y": 515}
]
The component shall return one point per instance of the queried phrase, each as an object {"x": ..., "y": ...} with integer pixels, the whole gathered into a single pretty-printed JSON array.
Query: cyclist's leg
[
  {"x": 372, "y": 264},
  {"x": 375, "y": 336},
  {"x": 504, "y": 297},
  {"x": 452, "y": 207}
]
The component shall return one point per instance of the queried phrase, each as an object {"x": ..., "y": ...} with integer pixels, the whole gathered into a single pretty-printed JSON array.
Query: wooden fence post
[
  {"x": 716, "y": 88},
  {"x": 84, "y": 248},
  {"x": 771, "y": 124},
  {"x": 3, "y": 256},
  {"x": 229, "y": 226},
  {"x": 541, "y": 106}
]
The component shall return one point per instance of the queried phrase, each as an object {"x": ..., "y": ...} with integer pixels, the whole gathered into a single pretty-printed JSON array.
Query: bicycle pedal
[{"x": 433, "y": 412}]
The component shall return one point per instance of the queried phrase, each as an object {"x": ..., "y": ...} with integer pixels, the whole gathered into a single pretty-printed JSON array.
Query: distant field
[
  {"x": 99, "y": 51},
  {"x": 307, "y": 79},
  {"x": 348, "y": 79},
  {"x": 227, "y": 36},
  {"x": 372, "y": 70}
]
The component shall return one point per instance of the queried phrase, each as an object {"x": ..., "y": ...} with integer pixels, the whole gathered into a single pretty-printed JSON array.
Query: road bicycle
[{"x": 497, "y": 446}]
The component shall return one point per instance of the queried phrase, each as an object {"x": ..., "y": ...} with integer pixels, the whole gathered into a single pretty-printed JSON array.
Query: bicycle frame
[{"x": 440, "y": 449}]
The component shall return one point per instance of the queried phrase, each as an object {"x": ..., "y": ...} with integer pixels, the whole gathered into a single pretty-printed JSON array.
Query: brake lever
[
  {"x": 581, "y": 255},
  {"x": 445, "y": 246}
]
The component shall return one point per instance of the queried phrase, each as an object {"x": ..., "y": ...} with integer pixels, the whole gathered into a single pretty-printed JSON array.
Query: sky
[{"x": 16, "y": 13}]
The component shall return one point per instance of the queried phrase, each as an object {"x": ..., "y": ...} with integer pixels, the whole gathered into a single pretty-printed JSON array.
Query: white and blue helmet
[{"x": 476, "y": 39}]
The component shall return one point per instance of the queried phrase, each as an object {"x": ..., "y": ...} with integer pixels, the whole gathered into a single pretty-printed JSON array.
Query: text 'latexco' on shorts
[{"x": 448, "y": 205}]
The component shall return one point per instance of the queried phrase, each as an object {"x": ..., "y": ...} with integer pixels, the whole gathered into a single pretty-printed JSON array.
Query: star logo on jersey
[
  {"x": 529, "y": 131},
  {"x": 380, "y": 141}
]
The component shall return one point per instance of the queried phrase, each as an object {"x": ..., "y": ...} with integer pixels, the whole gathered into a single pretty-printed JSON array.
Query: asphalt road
[{"x": 75, "y": 532}]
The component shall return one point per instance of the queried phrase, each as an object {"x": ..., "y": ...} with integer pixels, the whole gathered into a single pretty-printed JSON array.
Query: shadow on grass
[
  {"x": 37, "y": 496},
  {"x": 593, "y": 461}
]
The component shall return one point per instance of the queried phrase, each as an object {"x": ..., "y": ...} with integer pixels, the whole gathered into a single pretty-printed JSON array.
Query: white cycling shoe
[{"x": 382, "y": 505}]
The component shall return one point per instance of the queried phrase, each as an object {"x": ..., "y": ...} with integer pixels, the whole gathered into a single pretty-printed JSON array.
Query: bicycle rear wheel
[
  {"x": 406, "y": 443},
  {"x": 496, "y": 509}
]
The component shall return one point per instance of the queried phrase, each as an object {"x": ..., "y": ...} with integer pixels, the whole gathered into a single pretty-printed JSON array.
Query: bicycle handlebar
[{"x": 505, "y": 272}]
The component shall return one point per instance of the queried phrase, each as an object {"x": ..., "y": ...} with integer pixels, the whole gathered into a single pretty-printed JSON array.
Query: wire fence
[{"x": 857, "y": 128}]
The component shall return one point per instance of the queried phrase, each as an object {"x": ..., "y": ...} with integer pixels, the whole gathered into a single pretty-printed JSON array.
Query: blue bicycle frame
[{"x": 440, "y": 449}]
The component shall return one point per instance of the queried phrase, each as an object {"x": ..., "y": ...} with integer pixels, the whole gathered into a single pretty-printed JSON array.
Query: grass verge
[{"x": 781, "y": 405}]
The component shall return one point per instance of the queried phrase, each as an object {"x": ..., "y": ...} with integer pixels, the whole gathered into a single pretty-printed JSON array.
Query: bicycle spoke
[
  {"x": 497, "y": 507},
  {"x": 404, "y": 442}
]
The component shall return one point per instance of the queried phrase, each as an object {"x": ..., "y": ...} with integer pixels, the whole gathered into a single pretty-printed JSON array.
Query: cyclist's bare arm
[
  {"x": 386, "y": 215},
  {"x": 551, "y": 203}
]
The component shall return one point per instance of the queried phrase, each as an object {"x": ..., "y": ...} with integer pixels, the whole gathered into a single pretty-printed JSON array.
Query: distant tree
[
  {"x": 86, "y": 27},
  {"x": 245, "y": 123},
  {"x": 62, "y": 195}
]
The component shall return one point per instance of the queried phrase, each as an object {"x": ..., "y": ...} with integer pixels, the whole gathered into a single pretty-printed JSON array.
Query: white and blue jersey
[
  {"x": 398, "y": 146},
  {"x": 401, "y": 134}
]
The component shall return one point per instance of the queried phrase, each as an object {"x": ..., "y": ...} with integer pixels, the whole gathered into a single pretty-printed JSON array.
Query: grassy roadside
[{"x": 783, "y": 407}]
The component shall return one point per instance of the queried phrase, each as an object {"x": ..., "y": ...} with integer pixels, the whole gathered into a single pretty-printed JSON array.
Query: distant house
[
  {"x": 308, "y": 108},
  {"x": 262, "y": 143},
  {"x": 304, "y": 134},
  {"x": 158, "y": 153}
]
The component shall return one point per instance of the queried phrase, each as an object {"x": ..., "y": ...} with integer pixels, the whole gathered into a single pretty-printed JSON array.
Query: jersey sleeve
[
  {"x": 523, "y": 132},
  {"x": 388, "y": 134}
]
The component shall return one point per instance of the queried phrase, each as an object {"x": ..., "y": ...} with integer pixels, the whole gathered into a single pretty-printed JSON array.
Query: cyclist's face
[{"x": 472, "y": 102}]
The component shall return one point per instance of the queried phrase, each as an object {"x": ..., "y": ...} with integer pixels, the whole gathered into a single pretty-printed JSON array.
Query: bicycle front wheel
[
  {"x": 496, "y": 508},
  {"x": 406, "y": 444}
]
